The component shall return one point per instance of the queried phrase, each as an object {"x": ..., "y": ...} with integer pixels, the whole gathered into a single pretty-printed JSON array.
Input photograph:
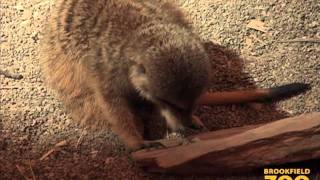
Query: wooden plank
[{"x": 240, "y": 149}]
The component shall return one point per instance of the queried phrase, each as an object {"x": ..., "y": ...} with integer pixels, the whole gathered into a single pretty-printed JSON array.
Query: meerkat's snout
[
  {"x": 173, "y": 122},
  {"x": 176, "y": 121}
]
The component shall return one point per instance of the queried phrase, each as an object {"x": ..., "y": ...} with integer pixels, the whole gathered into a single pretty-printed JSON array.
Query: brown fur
[
  {"x": 105, "y": 58},
  {"x": 109, "y": 60}
]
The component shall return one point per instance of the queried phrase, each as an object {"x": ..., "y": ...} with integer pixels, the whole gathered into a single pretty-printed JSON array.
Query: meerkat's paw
[
  {"x": 176, "y": 139},
  {"x": 146, "y": 145},
  {"x": 152, "y": 145},
  {"x": 197, "y": 123}
]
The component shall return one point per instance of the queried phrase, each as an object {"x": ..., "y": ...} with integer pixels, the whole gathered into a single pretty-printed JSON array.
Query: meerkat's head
[{"x": 172, "y": 71}]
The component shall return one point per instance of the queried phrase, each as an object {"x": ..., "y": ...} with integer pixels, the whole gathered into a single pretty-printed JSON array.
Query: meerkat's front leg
[{"x": 127, "y": 125}]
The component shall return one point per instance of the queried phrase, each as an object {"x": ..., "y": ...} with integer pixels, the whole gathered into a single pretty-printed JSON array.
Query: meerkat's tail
[{"x": 255, "y": 95}]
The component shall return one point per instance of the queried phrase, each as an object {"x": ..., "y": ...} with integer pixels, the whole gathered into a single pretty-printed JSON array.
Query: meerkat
[{"x": 106, "y": 58}]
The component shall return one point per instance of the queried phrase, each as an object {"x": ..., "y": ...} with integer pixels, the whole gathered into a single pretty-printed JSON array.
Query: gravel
[{"x": 32, "y": 120}]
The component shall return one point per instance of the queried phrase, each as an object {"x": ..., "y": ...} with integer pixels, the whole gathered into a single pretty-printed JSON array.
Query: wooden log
[{"x": 239, "y": 149}]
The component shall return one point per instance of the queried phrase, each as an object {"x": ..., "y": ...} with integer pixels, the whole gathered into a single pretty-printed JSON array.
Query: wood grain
[{"x": 239, "y": 149}]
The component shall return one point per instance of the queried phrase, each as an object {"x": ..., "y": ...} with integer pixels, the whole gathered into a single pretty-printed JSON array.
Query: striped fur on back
[{"x": 91, "y": 45}]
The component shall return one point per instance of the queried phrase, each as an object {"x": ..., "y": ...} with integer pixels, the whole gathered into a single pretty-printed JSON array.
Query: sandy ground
[{"x": 33, "y": 122}]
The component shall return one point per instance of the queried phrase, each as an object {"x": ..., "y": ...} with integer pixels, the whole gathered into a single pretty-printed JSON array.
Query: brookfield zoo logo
[{"x": 286, "y": 174}]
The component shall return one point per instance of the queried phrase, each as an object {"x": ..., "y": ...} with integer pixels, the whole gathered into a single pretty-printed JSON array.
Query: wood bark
[{"x": 238, "y": 149}]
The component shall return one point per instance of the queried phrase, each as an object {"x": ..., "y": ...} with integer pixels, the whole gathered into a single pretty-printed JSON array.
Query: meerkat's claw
[
  {"x": 147, "y": 145},
  {"x": 152, "y": 145}
]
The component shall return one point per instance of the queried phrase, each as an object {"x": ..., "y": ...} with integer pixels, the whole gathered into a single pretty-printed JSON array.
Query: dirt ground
[{"x": 33, "y": 122}]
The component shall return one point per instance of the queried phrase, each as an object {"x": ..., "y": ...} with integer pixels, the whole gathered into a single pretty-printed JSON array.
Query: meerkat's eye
[{"x": 141, "y": 69}]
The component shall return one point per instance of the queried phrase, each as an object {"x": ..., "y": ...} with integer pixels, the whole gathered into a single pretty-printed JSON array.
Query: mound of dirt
[{"x": 249, "y": 44}]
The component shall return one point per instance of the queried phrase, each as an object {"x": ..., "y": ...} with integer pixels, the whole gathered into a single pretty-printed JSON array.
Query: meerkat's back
[{"x": 83, "y": 31}]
